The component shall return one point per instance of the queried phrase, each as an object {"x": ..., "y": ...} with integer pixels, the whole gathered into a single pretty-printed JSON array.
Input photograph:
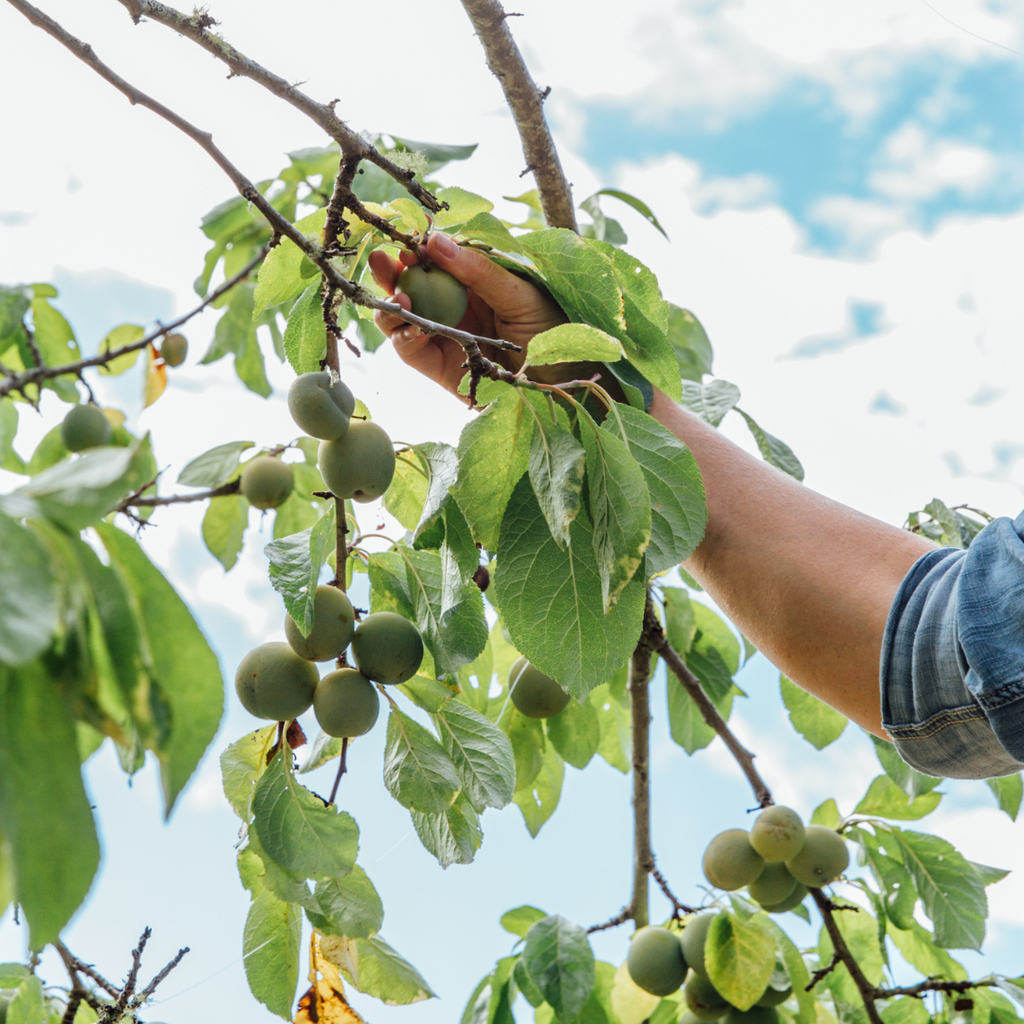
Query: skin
[{"x": 771, "y": 558}]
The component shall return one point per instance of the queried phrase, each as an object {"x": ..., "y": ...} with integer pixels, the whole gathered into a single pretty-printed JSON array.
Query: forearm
[{"x": 807, "y": 579}]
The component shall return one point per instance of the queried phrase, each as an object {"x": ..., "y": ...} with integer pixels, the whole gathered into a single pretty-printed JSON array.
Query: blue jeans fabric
[{"x": 952, "y": 667}]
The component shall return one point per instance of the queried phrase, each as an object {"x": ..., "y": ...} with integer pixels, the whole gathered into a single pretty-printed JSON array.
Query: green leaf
[
  {"x": 558, "y": 958},
  {"x": 270, "y": 946},
  {"x": 77, "y": 492},
  {"x": 630, "y": 1003},
  {"x": 678, "y": 510},
  {"x": 739, "y": 958},
  {"x": 826, "y": 813},
  {"x": 295, "y": 564},
  {"x": 302, "y": 509},
  {"x": 305, "y": 336},
  {"x": 12, "y": 975},
  {"x": 569, "y": 343},
  {"x": 1008, "y": 791},
  {"x": 481, "y": 754},
  {"x": 519, "y": 920},
  {"x": 373, "y": 967},
  {"x": 575, "y": 732},
  {"x": 911, "y": 782},
  {"x": 305, "y": 835},
  {"x": 952, "y": 893},
  {"x": 527, "y": 738},
  {"x": 28, "y": 1006},
  {"x": 462, "y": 206},
  {"x": 183, "y": 668},
  {"x": 453, "y": 835},
  {"x": 616, "y": 729},
  {"x": 224, "y": 526},
  {"x": 556, "y": 473},
  {"x": 710, "y": 401},
  {"x": 236, "y": 334},
  {"x": 417, "y": 770},
  {"x": 551, "y": 599},
  {"x": 28, "y": 598},
  {"x": 48, "y": 452},
  {"x": 9, "y": 458},
  {"x": 407, "y": 491},
  {"x": 916, "y": 945},
  {"x": 688, "y": 338},
  {"x": 486, "y": 228},
  {"x": 538, "y": 800},
  {"x": 793, "y": 961},
  {"x": 680, "y": 619},
  {"x": 899, "y": 897},
  {"x": 119, "y": 337},
  {"x": 216, "y": 467},
  {"x": 241, "y": 764},
  {"x": 819, "y": 724},
  {"x": 775, "y": 452},
  {"x": 906, "y": 1010},
  {"x": 493, "y": 455},
  {"x": 884, "y": 799},
  {"x": 44, "y": 811},
  {"x": 349, "y": 906},
  {"x": 987, "y": 874},
  {"x": 637, "y": 204},
  {"x": 280, "y": 277}
]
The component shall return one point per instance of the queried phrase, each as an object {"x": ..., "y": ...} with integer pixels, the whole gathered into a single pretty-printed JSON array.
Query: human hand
[{"x": 501, "y": 305}]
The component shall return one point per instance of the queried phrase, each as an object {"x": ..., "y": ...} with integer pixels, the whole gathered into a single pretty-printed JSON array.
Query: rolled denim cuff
[{"x": 952, "y": 666}]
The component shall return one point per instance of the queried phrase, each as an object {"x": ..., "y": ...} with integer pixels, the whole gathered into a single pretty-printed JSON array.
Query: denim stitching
[
  {"x": 954, "y": 716},
  {"x": 1004, "y": 695}
]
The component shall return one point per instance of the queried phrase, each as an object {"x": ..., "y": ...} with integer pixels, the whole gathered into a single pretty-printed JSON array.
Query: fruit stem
[{"x": 640, "y": 712}]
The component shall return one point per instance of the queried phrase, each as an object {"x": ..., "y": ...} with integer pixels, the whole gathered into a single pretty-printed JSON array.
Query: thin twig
[
  {"x": 152, "y": 501},
  {"x": 678, "y": 909},
  {"x": 72, "y": 963},
  {"x": 342, "y": 768},
  {"x": 18, "y": 381},
  {"x": 709, "y": 712},
  {"x": 931, "y": 985},
  {"x": 823, "y": 972},
  {"x": 115, "y": 1012},
  {"x": 624, "y": 915},
  {"x": 526, "y": 102},
  {"x": 151, "y": 987},
  {"x": 196, "y": 27},
  {"x": 640, "y": 716}
]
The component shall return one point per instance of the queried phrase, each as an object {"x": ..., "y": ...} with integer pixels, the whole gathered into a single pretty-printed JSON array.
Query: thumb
[{"x": 507, "y": 294}]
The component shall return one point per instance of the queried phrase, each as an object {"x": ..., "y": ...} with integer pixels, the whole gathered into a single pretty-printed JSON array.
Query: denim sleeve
[{"x": 952, "y": 667}]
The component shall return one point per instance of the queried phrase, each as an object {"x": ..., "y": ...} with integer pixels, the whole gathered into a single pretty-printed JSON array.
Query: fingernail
[{"x": 446, "y": 247}]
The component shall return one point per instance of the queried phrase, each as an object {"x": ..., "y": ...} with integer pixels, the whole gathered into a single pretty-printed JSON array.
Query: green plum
[
  {"x": 773, "y": 885},
  {"x": 755, "y": 1015},
  {"x": 655, "y": 961},
  {"x": 730, "y": 862},
  {"x": 388, "y": 648},
  {"x": 533, "y": 693},
  {"x": 267, "y": 482},
  {"x": 777, "y": 834},
  {"x": 694, "y": 936},
  {"x": 822, "y": 859},
  {"x": 84, "y": 426},
  {"x": 360, "y": 464},
  {"x": 434, "y": 293},
  {"x": 273, "y": 682},
  {"x": 794, "y": 899},
  {"x": 703, "y": 999},
  {"x": 174, "y": 349},
  {"x": 320, "y": 405},
  {"x": 334, "y": 622},
  {"x": 346, "y": 703}
]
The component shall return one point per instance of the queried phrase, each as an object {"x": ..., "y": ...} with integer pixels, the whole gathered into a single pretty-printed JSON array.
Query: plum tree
[
  {"x": 273, "y": 682},
  {"x": 773, "y": 885},
  {"x": 346, "y": 703},
  {"x": 730, "y": 862},
  {"x": 823, "y": 858},
  {"x": 655, "y": 961},
  {"x": 703, "y": 999},
  {"x": 84, "y": 426},
  {"x": 693, "y": 938},
  {"x": 434, "y": 293},
  {"x": 360, "y": 464},
  {"x": 321, "y": 405},
  {"x": 267, "y": 481},
  {"x": 755, "y": 1015},
  {"x": 334, "y": 622},
  {"x": 533, "y": 693},
  {"x": 777, "y": 833},
  {"x": 387, "y": 648},
  {"x": 174, "y": 349}
]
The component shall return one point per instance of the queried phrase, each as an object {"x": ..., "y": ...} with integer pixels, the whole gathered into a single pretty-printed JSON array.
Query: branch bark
[
  {"x": 526, "y": 102},
  {"x": 640, "y": 715}
]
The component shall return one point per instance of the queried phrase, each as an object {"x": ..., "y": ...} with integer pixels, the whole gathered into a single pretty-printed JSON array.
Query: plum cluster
[
  {"x": 778, "y": 860},
  {"x": 660, "y": 961}
]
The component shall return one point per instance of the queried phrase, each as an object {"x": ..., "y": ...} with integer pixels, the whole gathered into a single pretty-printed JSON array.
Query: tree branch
[
  {"x": 19, "y": 381},
  {"x": 640, "y": 717},
  {"x": 710, "y": 714},
  {"x": 196, "y": 26},
  {"x": 526, "y": 102},
  {"x": 917, "y": 991},
  {"x": 152, "y": 501},
  {"x": 622, "y": 917}
]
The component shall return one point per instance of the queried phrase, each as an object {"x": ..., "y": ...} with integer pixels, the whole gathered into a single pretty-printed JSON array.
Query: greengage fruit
[
  {"x": 755, "y": 1015},
  {"x": 774, "y": 996},
  {"x": 360, "y": 464},
  {"x": 346, "y": 703},
  {"x": 174, "y": 349},
  {"x": 434, "y": 293},
  {"x": 267, "y": 482},
  {"x": 730, "y": 862},
  {"x": 822, "y": 859},
  {"x": 85, "y": 426},
  {"x": 321, "y": 406},
  {"x": 773, "y": 885},
  {"x": 273, "y": 682},
  {"x": 387, "y": 647},
  {"x": 794, "y": 899},
  {"x": 334, "y": 622},
  {"x": 655, "y": 961},
  {"x": 777, "y": 834},
  {"x": 703, "y": 999},
  {"x": 693, "y": 938},
  {"x": 533, "y": 693}
]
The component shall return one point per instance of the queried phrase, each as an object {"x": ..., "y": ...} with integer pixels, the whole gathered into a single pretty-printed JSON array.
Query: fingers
[
  {"x": 385, "y": 270},
  {"x": 390, "y": 324}
]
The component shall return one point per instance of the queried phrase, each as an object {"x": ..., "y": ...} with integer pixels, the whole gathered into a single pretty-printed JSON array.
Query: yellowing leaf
[
  {"x": 325, "y": 1002},
  {"x": 630, "y": 1003},
  {"x": 739, "y": 958},
  {"x": 156, "y": 380}
]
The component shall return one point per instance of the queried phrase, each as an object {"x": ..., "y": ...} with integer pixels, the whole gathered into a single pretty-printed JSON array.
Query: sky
[{"x": 842, "y": 184}]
